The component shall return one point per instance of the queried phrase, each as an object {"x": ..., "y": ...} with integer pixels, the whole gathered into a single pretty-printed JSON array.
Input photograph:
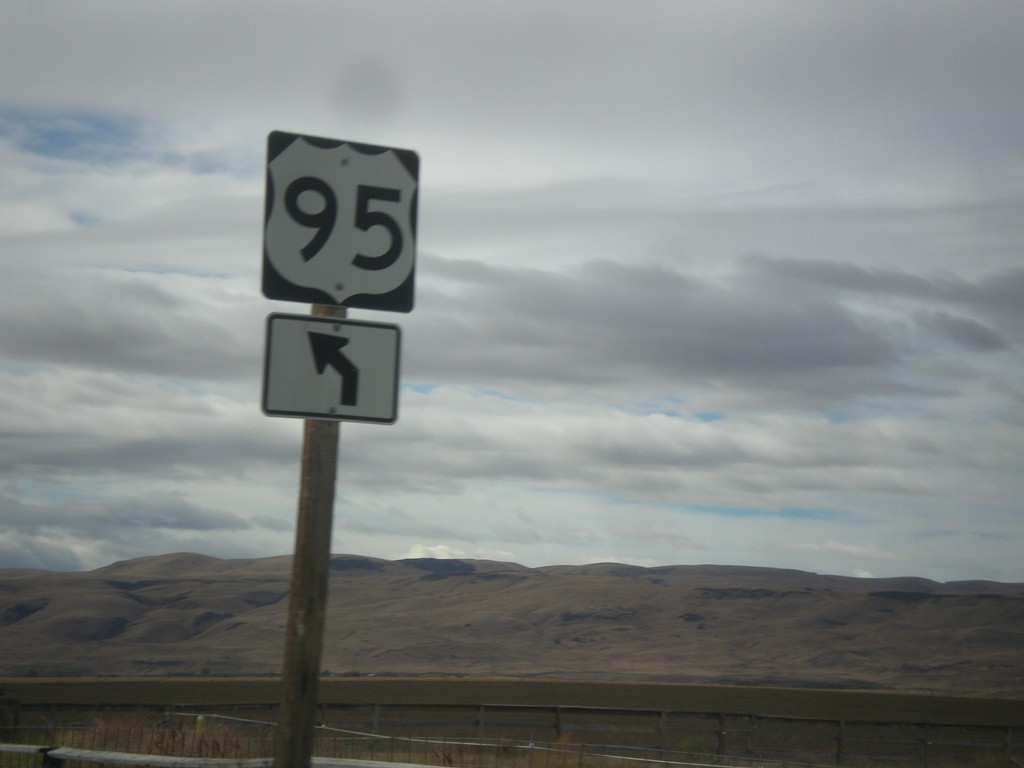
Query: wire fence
[{"x": 719, "y": 740}]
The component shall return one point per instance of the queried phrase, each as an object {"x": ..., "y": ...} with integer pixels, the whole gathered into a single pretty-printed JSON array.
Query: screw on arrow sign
[{"x": 327, "y": 352}]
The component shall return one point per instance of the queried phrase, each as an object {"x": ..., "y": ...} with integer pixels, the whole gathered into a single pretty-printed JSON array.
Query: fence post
[
  {"x": 10, "y": 714},
  {"x": 840, "y": 738},
  {"x": 721, "y": 734}
]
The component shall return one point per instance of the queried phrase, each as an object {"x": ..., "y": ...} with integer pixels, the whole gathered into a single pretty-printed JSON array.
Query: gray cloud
[
  {"x": 787, "y": 333},
  {"x": 117, "y": 516},
  {"x": 681, "y": 265},
  {"x": 963, "y": 331},
  {"x": 28, "y": 551},
  {"x": 69, "y": 534}
]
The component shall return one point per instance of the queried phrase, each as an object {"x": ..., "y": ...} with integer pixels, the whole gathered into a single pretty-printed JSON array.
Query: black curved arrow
[{"x": 327, "y": 352}]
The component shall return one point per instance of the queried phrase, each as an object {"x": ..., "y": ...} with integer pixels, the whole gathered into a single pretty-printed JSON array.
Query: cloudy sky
[{"x": 697, "y": 282}]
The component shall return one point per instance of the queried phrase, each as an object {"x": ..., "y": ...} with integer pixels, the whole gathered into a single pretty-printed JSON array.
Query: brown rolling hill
[{"x": 190, "y": 614}]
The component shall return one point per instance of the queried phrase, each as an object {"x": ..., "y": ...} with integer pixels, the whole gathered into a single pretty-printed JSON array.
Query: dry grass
[{"x": 766, "y": 742}]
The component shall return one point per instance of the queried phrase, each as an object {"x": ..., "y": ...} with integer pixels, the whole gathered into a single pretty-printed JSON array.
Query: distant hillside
[{"x": 191, "y": 614}]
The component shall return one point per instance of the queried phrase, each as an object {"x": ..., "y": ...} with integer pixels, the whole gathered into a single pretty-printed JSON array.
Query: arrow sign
[
  {"x": 327, "y": 352},
  {"x": 306, "y": 355}
]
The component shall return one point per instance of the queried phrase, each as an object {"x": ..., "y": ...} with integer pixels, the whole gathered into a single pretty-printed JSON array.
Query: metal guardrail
[{"x": 57, "y": 756}]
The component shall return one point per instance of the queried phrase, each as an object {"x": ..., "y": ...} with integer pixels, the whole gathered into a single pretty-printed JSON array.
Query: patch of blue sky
[
  {"x": 789, "y": 513},
  {"x": 936, "y": 533},
  {"x": 803, "y": 513},
  {"x": 867, "y": 409},
  {"x": 500, "y": 394},
  {"x": 661, "y": 405},
  {"x": 39, "y": 492},
  {"x": 157, "y": 269},
  {"x": 84, "y": 218},
  {"x": 709, "y": 416},
  {"x": 191, "y": 386},
  {"x": 15, "y": 368},
  {"x": 589, "y": 493},
  {"x": 200, "y": 164},
  {"x": 786, "y": 513},
  {"x": 420, "y": 387},
  {"x": 648, "y": 409},
  {"x": 723, "y": 511},
  {"x": 98, "y": 139},
  {"x": 988, "y": 535},
  {"x": 662, "y": 409},
  {"x": 85, "y": 137}
]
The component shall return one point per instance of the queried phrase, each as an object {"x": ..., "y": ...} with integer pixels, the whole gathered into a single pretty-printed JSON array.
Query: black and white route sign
[
  {"x": 340, "y": 224},
  {"x": 328, "y": 368}
]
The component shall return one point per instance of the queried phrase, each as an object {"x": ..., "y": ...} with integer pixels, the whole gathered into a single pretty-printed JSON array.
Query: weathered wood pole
[{"x": 293, "y": 746}]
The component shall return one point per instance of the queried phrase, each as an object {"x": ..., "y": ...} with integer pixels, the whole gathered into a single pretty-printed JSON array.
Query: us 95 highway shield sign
[{"x": 340, "y": 223}]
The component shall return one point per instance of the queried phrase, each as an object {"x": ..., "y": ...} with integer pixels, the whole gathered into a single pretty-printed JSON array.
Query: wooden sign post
[
  {"x": 339, "y": 226},
  {"x": 311, "y": 564}
]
